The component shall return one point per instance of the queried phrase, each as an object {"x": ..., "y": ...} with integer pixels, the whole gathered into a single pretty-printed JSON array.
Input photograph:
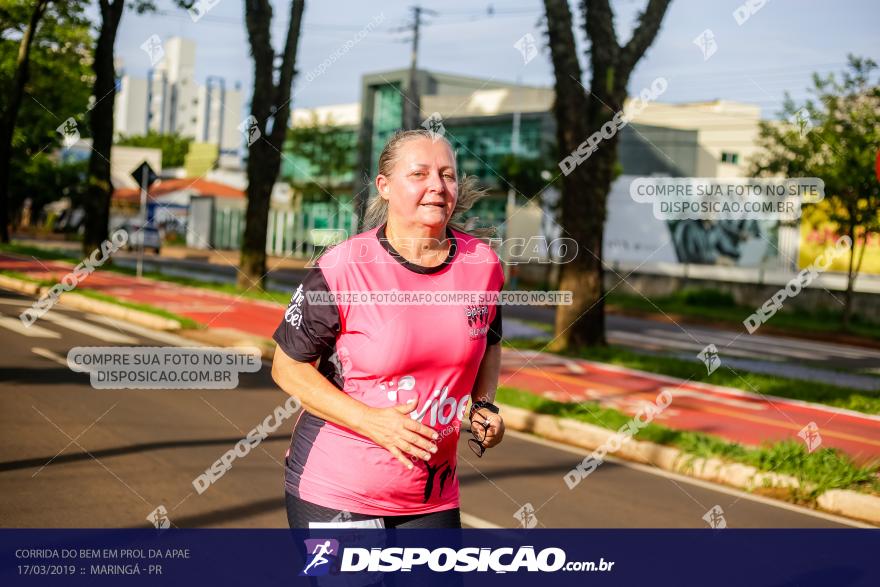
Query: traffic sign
[{"x": 144, "y": 175}]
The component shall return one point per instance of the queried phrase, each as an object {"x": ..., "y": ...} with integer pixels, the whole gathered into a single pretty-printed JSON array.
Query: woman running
[{"x": 376, "y": 442}]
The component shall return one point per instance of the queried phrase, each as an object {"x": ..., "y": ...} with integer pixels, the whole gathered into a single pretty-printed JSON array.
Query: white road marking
[
  {"x": 52, "y": 356},
  {"x": 14, "y": 302},
  {"x": 670, "y": 342},
  {"x": 690, "y": 480},
  {"x": 32, "y": 331},
  {"x": 88, "y": 329},
  {"x": 161, "y": 336},
  {"x": 574, "y": 367},
  {"x": 475, "y": 522}
]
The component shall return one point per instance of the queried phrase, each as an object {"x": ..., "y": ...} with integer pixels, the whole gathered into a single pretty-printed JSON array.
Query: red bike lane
[{"x": 745, "y": 417}]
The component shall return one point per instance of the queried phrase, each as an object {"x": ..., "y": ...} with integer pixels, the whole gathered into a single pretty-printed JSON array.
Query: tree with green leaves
[
  {"x": 100, "y": 189},
  {"x": 43, "y": 179},
  {"x": 324, "y": 157},
  {"x": 579, "y": 113},
  {"x": 12, "y": 104},
  {"x": 834, "y": 136},
  {"x": 527, "y": 175},
  {"x": 57, "y": 87},
  {"x": 173, "y": 146},
  {"x": 270, "y": 115}
]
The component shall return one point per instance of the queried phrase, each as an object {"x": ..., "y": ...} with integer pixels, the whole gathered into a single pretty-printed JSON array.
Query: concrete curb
[
  {"x": 19, "y": 285},
  {"x": 111, "y": 310},
  {"x": 81, "y": 302},
  {"x": 852, "y": 504},
  {"x": 229, "y": 337},
  {"x": 843, "y": 501}
]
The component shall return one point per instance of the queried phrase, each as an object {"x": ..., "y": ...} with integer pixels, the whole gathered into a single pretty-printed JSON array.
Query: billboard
[{"x": 634, "y": 235}]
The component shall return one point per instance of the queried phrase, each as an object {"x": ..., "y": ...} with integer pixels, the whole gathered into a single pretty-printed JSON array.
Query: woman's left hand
[{"x": 495, "y": 430}]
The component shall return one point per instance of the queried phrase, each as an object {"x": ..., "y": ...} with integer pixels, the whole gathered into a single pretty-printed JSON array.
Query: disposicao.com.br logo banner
[{"x": 324, "y": 555}]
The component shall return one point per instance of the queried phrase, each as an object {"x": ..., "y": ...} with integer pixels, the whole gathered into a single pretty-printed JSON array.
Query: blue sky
[{"x": 776, "y": 49}]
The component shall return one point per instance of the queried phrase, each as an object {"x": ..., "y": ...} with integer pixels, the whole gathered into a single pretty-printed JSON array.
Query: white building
[
  {"x": 170, "y": 100},
  {"x": 727, "y": 132}
]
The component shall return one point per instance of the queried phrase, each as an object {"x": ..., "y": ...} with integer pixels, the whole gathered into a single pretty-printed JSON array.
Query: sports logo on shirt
[
  {"x": 293, "y": 314},
  {"x": 321, "y": 554},
  {"x": 478, "y": 321}
]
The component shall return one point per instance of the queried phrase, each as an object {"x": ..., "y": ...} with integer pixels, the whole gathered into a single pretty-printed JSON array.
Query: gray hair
[{"x": 469, "y": 190}]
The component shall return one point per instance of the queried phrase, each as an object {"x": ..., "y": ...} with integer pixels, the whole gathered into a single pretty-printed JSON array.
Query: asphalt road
[{"x": 75, "y": 456}]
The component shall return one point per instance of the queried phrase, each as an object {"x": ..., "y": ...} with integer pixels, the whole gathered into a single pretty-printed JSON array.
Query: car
[{"x": 142, "y": 233}]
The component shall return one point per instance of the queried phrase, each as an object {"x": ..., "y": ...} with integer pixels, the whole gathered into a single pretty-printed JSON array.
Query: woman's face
[{"x": 422, "y": 188}]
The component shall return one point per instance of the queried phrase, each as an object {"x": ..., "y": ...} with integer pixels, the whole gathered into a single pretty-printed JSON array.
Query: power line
[{"x": 411, "y": 105}]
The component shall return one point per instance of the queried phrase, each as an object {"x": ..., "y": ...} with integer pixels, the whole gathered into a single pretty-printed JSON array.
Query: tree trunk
[
  {"x": 851, "y": 274},
  {"x": 269, "y": 101},
  {"x": 262, "y": 159},
  {"x": 7, "y": 122},
  {"x": 585, "y": 187},
  {"x": 362, "y": 173},
  {"x": 100, "y": 188}
]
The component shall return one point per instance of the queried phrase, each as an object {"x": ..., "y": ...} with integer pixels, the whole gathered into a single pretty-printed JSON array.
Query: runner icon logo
[
  {"x": 710, "y": 358},
  {"x": 159, "y": 518},
  {"x": 810, "y": 435},
  {"x": 715, "y": 518},
  {"x": 321, "y": 556},
  {"x": 526, "y": 516}
]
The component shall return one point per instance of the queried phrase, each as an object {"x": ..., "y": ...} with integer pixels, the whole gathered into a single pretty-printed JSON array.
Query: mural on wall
[
  {"x": 721, "y": 242},
  {"x": 634, "y": 235}
]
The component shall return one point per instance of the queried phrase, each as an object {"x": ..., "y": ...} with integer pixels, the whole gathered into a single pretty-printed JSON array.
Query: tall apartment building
[{"x": 170, "y": 100}]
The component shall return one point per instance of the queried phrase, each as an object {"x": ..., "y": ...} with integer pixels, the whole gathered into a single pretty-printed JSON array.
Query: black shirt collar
[{"x": 453, "y": 247}]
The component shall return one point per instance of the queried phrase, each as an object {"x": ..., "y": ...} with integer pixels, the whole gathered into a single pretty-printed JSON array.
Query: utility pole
[{"x": 412, "y": 104}]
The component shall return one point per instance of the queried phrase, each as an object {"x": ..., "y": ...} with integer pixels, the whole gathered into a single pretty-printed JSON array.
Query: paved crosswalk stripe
[
  {"x": 14, "y": 302},
  {"x": 82, "y": 327},
  {"x": 166, "y": 337},
  {"x": 52, "y": 356},
  {"x": 474, "y": 522},
  {"x": 32, "y": 331}
]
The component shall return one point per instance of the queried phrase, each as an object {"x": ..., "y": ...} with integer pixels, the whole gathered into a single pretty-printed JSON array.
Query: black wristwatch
[{"x": 479, "y": 405}]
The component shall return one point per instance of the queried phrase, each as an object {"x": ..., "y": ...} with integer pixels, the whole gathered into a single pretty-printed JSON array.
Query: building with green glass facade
[
  {"x": 489, "y": 123},
  {"x": 486, "y": 121}
]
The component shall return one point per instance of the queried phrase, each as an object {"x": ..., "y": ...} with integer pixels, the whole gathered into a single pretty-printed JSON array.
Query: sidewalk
[
  {"x": 748, "y": 418},
  {"x": 178, "y": 252}
]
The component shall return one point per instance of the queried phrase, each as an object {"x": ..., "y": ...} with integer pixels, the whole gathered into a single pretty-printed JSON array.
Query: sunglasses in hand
[{"x": 478, "y": 429}]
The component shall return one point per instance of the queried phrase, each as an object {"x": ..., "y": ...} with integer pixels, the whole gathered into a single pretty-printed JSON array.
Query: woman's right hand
[{"x": 393, "y": 429}]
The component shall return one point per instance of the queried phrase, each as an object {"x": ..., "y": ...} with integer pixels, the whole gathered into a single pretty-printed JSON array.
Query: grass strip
[
  {"x": 39, "y": 253},
  {"x": 90, "y": 293},
  {"x": 826, "y": 468},
  {"x": 185, "y": 322},
  {"x": 721, "y": 307}
]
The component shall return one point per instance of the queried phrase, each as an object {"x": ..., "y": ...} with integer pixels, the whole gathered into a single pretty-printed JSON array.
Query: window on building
[{"x": 728, "y": 157}]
